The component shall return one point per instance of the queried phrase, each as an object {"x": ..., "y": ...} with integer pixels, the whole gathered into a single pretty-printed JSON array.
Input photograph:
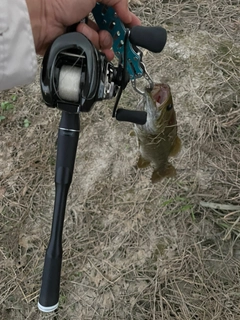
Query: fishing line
[{"x": 69, "y": 81}]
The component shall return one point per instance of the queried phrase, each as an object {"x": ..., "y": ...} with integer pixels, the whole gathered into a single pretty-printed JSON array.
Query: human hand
[{"x": 50, "y": 19}]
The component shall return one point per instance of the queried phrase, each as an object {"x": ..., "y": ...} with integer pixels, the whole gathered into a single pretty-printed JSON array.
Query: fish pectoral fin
[
  {"x": 142, "y": 163},
  {"x": 168, "y": 172},
  {"x": 176, "y": 147}
]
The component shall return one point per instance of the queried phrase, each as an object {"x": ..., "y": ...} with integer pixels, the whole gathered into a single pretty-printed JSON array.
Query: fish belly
[{"x": 156, "y": 151}]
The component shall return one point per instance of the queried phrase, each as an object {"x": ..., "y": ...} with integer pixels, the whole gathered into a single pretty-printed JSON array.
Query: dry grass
[{"x": 133, "y": 250}]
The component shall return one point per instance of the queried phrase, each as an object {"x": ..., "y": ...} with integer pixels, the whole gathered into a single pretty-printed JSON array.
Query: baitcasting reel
[{"x": 74, "y": 76}]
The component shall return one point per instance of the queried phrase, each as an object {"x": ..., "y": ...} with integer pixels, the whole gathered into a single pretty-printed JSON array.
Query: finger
[
  {"x": 90, "y": 33},
  {"x": 101, "y": 40},
  {"x": 124, "y": 14},
  {"x": 135, "y": 21},
  {"x": 109, "y": 54},
  {"x": 92, "y": 25},
  {"x": 105, "y": 40},
  {"x": 121, "y": 7}
]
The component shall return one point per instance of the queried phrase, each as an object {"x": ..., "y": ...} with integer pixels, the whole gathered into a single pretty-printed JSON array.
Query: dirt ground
[{"x": 133, "y": 250}]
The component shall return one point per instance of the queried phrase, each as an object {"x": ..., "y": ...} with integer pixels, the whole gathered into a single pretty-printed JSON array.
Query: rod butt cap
[{"x": 47, "y": 309}]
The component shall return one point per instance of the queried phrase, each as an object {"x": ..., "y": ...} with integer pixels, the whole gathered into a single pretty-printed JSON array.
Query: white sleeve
[{"x": 18, "y": 62}]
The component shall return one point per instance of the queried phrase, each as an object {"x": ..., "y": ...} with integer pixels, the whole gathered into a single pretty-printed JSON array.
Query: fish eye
[{"x": 169, "y": 107}]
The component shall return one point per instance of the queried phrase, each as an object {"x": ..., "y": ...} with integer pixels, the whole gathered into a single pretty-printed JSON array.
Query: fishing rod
[{"x": 74, "y": 76}]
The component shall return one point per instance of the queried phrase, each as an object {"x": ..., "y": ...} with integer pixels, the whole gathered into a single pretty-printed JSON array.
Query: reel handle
[
  {"x": 138, "y": 117},
  {"x": 150, "y": 38}
]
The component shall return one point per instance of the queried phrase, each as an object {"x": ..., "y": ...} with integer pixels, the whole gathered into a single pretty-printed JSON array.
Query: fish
[{"x": 157, "y": 138}]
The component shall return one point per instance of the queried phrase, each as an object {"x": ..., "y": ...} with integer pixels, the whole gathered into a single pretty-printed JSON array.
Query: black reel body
[{"x": 96, "y": 74}]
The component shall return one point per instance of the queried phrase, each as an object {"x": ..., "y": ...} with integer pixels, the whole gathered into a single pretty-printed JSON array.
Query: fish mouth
[{"x": 159, "y": 93}]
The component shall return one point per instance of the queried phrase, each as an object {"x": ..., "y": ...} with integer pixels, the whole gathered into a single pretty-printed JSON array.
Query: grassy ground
[{"x": 133, "y": 250}]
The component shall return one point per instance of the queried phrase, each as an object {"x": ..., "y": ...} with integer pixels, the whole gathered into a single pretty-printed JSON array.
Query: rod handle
[{"x": 49, "y": 295}]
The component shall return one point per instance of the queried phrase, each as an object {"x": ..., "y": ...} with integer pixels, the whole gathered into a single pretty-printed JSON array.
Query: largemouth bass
[{"x": 157, "y": 138}]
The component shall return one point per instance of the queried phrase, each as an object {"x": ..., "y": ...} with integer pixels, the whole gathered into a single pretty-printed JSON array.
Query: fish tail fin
[
  {"x": 169, "y": 171},
  {"x": 142, "y": 163},
  {"x": 176, "y": 147}
]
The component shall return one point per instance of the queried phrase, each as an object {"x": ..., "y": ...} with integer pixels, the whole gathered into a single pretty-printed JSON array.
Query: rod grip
[
  {"x": 150, "y": 38},
  {"x": 49, "y": 295},
  {"x": 67, "y": 145}
]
